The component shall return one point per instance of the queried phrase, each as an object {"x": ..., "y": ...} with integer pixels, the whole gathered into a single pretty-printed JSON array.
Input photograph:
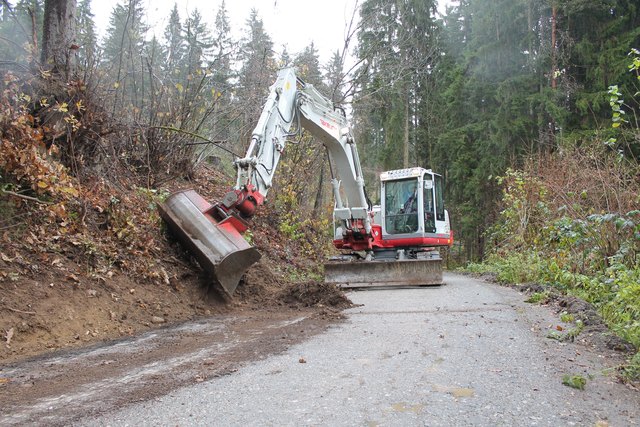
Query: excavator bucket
[
  {"x": 217, "y": 244},
  {"x": 383, "y": 273}
]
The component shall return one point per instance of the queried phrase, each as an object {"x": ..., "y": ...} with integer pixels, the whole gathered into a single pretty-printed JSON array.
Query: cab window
[
  {"x": 401, "y": 206},
  {"x": 428, "y": 205},
  {"x": 439, "y": 198}
]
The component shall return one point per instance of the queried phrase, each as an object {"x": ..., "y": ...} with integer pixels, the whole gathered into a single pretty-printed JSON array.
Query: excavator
[{"x": 394, "y": 243}]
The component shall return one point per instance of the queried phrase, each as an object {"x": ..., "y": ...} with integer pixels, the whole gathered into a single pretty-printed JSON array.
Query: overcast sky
[{"x": 294, "y": 23}]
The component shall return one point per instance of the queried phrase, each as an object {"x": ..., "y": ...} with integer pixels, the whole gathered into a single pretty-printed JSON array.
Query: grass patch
[
  {"x": 630, "y": 371},
  {"x": 574, "y": 381},
  {"x": 567, "y": 317},
  {"x": 538, "y": 298},
  {"x": 569, "y": 335}
]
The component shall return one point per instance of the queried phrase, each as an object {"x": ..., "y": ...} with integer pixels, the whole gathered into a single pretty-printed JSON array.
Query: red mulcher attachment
[{"x": 212, "y": 234}]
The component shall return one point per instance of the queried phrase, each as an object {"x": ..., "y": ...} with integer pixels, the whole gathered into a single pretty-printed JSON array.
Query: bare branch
[
  {"x": 195, "y": 135},
  {"x": 22, "y": 196},
  {"x": 15, "y": 310}
]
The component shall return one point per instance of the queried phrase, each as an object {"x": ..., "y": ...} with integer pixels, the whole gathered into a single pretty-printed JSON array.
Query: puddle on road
[
  {"x": 286, "y": 323},
  {"x": 364, "y": 362},
  {"x": 405, "y": 407},
  {"x": 454, "y": 391},
  {"x": 435, "y": 365}
]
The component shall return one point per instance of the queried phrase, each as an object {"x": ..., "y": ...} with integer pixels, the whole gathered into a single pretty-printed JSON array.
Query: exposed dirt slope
[{"x": 114, "y": 271}]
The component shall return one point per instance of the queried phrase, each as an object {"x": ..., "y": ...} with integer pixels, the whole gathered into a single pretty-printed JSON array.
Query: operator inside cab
[
  {"x": 411, "y": 203},
  {"x": 401, "y": 206}
]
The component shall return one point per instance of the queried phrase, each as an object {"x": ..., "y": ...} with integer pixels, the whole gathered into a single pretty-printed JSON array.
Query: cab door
[{"x": 428, "y": 204}]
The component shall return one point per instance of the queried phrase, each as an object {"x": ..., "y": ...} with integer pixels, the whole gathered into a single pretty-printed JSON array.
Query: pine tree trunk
[
  {"x": 554, "y": 70},
  {"x": 554, "y": 61},
  {"x": 59, "y": 36},
  {"x": 405, "y": 157},
  {"x": 317, "y": 205}
]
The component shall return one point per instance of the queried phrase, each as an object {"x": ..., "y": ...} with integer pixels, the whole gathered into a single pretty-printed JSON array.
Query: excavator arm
[{"x": 294, "y": 104}]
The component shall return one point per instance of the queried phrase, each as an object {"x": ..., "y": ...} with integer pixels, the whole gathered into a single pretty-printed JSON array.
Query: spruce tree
[
  {"x": 198, "y": 42},
  {"x": 222, "y": 75},
  {"x": 334, "y": 77},
  {"x": 599, "y": 35},
  {"x": 123, "y": 56},
  {"x": 86, "y": 36},
  {"x": 308, "y": 66},
  {"x": 257, "y": 72},
  {"x": 19, "y": 36},
  {"x": 396, "y": 47},
  {"x": 174, "y": 45},
  {"x": 59, "y": 44}
]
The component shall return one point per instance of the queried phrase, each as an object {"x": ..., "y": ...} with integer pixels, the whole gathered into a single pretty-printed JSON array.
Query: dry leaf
[
  {"x": 165, "y": 276},
  {"x": 8, "y": 336}
]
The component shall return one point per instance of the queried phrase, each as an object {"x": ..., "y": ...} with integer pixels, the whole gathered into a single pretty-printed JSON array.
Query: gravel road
[{"x": 467, "y": 353}]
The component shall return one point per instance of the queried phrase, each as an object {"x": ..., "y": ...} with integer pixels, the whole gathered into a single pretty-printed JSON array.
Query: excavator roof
[{"x": 403, "y": 173}]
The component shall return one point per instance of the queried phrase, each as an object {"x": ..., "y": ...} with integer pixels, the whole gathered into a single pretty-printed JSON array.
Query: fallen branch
[
  {"x": 15, "y": 64},
  {"x": 22, "y": 196},
  {"x": 15, "y": 310}
]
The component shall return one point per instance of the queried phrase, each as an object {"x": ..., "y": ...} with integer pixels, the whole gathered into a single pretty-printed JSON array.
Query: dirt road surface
[{"x": 467, "y": 353}]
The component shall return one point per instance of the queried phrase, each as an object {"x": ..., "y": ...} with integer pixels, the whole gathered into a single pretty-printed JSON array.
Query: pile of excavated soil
[
  {"x": 595, "y": 331},
  {"x": 314, "y": 294}
]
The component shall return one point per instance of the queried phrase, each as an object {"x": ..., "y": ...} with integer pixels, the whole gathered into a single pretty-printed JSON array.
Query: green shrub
[
  {"x": 631, "y": 370},
  {"x": 594, "y": 257},
  {"x": 516, "y": 267}
]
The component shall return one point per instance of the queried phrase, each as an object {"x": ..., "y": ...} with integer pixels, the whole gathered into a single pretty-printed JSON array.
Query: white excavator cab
[{"x": 413, "y": 205}]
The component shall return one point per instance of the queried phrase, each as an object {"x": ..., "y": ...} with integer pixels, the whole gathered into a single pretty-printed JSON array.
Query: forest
[{"x": 528, "y": 108}]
